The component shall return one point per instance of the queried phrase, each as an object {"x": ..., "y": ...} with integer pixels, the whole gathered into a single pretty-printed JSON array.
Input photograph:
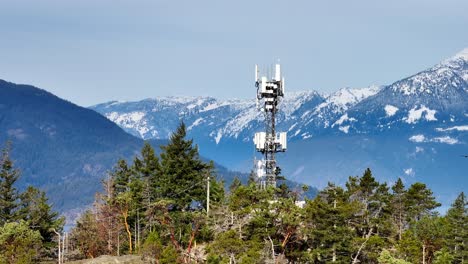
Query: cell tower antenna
[{"x": 270, "y": 90}]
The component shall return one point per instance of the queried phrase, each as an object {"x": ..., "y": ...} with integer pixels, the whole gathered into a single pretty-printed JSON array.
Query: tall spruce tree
[
  {"x": 36, "y": 210},
  {"x": 8, "y": 193},
  {"x": 183, "y": 173},
  {"x": 457, "y": 235},
  {"x": 121, "y": 176},
  {"x": 398, "y": 206},
  {"x": 419, "y": 201},
  {"x": 148, "y": 168},
  {"x": 127, "y": 192}
]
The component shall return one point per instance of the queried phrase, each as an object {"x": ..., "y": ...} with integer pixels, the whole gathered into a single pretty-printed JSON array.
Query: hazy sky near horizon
[{"x": 92, "y": 51}]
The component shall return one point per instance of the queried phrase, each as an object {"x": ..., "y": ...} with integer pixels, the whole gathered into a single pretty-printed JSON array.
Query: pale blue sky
[{"x": 91, "y": 51}]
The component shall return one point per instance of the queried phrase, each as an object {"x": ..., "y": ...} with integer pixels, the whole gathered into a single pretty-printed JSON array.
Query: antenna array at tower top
[{"x": 269, "y": 142}]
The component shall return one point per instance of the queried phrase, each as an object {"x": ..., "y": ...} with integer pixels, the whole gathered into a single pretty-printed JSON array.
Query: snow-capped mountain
[
  {"x": 412, "y": 128},
  {"x": 215, "y": 119},
  {"x": 204, "y": 116},
  {"x": 436, "y": 97}
]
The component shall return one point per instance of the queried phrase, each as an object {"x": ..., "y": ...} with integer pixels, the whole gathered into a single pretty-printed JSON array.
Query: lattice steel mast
[{"x": 269, "y": 92}]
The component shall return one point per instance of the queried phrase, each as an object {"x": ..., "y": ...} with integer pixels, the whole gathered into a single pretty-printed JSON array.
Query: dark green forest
[
  {"x": 27, "y": 222},
  {"x": 156, "y": 207}
]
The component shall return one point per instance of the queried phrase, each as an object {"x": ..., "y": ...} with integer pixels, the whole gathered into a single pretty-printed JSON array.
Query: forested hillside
[
  {"x": 60, "y": 147},
  {"x": 157, "y": 207},
  {"x": 27, "y": 222}
]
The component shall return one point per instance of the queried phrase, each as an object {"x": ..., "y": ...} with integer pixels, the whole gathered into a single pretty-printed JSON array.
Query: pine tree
[
  {"x": 252, "y": 177},
  {"x": 326, "y": 220},
  {"x": 236, "y": 183},
  {"x": 8, "y": 193},
  {"x": 19, "y": 243},
  {"x": 121, "y": 176},
  {"x": 457, "y": 237},
  {"x": 386, "y": 258},
  {"x": 443, "y": 256},
  {"x": 36, "y": 210},
  {"x": 398, "y": 204},
  {"x": 183, "y": 173},
  {"x": 419, "y": 201},
  {"x": 149, "y": 170},
  {"x": 430, "y": 230},
  {"x": 372, "y": 223},
  {"x": 127, "y": 193}
]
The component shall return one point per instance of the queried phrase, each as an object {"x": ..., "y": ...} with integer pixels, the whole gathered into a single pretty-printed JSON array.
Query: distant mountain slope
[
  {"x": 65, "y": 149},
  {"x": 62, "y": 148}
]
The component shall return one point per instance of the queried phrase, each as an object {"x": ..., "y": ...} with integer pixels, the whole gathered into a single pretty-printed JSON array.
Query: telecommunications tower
[{"x": 269, "y": 91}]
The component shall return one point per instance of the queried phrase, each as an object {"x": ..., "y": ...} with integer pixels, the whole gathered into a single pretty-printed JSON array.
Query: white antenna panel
[
  {"x": 277, "y": 72},
  {"x": 259, "y": 140},
  {"x": 260, "y": 169},
  {"x": 281, "y": 139},
  {"x": 263, "y": 85}
]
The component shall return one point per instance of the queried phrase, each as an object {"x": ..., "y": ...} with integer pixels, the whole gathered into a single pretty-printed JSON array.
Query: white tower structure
[{"x": 269, "y": 92}]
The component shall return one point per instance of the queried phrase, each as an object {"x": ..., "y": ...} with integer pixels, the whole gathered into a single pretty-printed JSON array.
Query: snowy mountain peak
[
  {"x": 347, "y": 96},
  {"x": 447, "y": 77},
  {"x": 461, "y": 55},
  {"x": 344, "y": 98}
]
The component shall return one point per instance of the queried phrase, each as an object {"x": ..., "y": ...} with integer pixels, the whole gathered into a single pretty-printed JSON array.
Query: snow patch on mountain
[
  {"x": 132, "y": 117},
  {"x": 446, "y": 140},
  {"x": 195, "y": 123},
  {"x": 218, "y": 137},
  {"x": 293, "y": 100},
  {"x": 390, "y": 110},
  {"x": 343, "y": 119},
  {"x": 134, "y": 120},
  {"x": 344, "y": 129},
  {"x": 292, "y": 127},
  {"x": 415, "y": 114},
  {"x": 346, "y": 97},
  {"x": 462, "y": 55},
  {"x": 297, "y": 132},
  {"x": 240, "y": 122},
  {"x": 418, "y": 138},
  {"x": 198, "y": 102},
  {"x": 458, "y": 128},
  {"x": 349, "y": 96}
]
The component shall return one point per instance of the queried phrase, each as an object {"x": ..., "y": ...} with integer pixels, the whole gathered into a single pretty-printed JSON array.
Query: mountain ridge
[
  {"x": 418, "y": 121},
  {"x": 443, "y": 86},
  {"x": 66, "y": 150}
]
